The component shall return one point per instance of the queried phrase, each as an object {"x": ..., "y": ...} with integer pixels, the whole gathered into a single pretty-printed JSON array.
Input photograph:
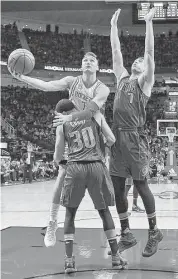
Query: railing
[{"x": 9, "y": 129}]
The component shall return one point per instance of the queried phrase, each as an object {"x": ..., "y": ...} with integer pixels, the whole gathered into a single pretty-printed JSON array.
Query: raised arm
[
  {"x": 54, "y": 85},
  {"x": 91, "y": 108},
  {"x": 146, "y": 80},
  {"x": 59, "y": 145},
  {"x": 117, "y": 58}
]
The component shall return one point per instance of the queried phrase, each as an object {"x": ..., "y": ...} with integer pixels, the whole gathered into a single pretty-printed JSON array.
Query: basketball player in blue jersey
[
  {"x": 85, "y": 169},
  {"x": 129, "y": 156},
  {"x": 89, "y": 95}
]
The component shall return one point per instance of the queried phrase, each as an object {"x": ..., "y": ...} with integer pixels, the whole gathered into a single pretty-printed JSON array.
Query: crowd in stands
[
  {"x": 68, "y": 49},
  {"x": 133, "y": 46},
  {"x": 52, "y": 48},
  {"x": 31, "y": 111},
  {"x": 158, "y": 155},
  {"x": 13, "y": 171},
  {"x": 9, "y": 40}
]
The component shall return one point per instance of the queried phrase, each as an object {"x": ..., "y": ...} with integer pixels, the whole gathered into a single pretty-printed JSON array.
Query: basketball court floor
[{"x": 24, "y": 216}]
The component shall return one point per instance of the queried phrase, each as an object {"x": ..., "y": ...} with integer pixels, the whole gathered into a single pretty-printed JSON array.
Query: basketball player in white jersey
[{"x": 89, "y": 96}]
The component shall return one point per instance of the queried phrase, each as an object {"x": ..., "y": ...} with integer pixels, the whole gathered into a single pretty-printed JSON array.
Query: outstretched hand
[
  {"x": 115, "y": 16},
  {"x": 13, "y": 73},
  {"x": 150, "y": 15}
]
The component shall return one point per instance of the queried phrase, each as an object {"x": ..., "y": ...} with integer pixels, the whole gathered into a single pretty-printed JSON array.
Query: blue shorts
[
  {"x": 93, "y": 176},
  {"x": 129, "y": 155}
]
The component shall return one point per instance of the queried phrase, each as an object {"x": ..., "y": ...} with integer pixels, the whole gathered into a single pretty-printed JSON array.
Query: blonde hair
[{"x": 89, "y": 53}]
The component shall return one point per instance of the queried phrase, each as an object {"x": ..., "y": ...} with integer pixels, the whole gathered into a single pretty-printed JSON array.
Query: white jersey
[{"x": 79, "y": 94}]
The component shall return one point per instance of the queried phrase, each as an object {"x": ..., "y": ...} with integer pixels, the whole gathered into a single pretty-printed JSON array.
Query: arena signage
[{"x": 67, "y": 69}]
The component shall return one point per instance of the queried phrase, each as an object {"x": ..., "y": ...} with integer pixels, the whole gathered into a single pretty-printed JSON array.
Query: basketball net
[{"x": 171, "y": 137}]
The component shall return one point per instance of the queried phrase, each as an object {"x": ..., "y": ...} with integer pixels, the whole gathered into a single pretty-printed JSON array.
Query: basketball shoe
[
  {"x": 126, "y": 241},
  {"x": 118, "y": 262},
  {"x": 154, "y": 237},
  {"x": 50, "y": 236},
  {"x": 136, "y": 208},
  {"x": 70, "y": 265}
]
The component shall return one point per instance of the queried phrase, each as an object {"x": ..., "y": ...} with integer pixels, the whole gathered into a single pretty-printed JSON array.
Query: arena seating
[
  {"x": 30, "y": 111},
  {"x": 68, "y": 49}
]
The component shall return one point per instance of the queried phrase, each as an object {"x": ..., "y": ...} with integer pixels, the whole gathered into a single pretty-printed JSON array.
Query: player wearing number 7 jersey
[
  {"x": 130, "y": 151},
  {"x": 85, "y": 169}
]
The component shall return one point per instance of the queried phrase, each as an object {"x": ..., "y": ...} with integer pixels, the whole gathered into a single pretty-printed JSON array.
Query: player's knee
[
  {"x": 118, "y": 183},
  {"x": 103, "y": 212},
  {"x": 120, "y": 193},
  {"x": 141, "y": 186}
]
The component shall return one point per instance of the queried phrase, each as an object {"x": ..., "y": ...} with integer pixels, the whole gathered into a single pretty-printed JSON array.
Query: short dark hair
[{"x": 64, "y": 105}]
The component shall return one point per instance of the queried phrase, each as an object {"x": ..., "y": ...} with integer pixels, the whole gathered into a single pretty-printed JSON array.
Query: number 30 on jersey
[{"x": 82, "y": 139}]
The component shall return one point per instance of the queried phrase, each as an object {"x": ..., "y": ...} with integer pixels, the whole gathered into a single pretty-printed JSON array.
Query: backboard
[{"x": 167, "y": 128}]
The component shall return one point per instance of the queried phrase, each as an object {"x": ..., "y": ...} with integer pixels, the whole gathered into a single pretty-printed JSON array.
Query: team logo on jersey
[
  {"x": 80, "y": 86},
  {"x": 145, "y": 170},
  {"x": 127, "y": 87},
  {"x": 82, "y": 96}
]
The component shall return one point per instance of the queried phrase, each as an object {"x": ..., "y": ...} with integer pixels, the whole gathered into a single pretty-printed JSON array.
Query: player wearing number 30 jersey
[
  {"x": 83, "y": 138},
  {"x": 85, "y": 166},
  {"x": 83, "y": 141},
  {"x": 85, "y": 169}
]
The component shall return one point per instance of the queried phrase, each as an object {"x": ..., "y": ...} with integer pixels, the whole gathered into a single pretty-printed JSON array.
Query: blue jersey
[
  {"x": 83, "y": 138},
  {"x": 129, "y": 104}
]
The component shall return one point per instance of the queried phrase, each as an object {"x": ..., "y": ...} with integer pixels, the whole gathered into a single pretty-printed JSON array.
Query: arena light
[
  {"x": 173, "y": 93},
  {"x": 170, "y": 112},
  {"x": 170, "y": 81},
  {"x": 3, "y": 145},
  {"x": 3, "y": 63}
]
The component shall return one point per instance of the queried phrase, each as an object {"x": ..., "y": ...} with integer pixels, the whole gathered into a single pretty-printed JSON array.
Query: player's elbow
[
  {"x": 56, "y": 158},
  {"x": 111, "y": 140}
]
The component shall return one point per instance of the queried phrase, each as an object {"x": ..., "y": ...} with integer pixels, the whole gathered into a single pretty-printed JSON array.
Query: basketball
[{"x": 21, "y": 61}]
